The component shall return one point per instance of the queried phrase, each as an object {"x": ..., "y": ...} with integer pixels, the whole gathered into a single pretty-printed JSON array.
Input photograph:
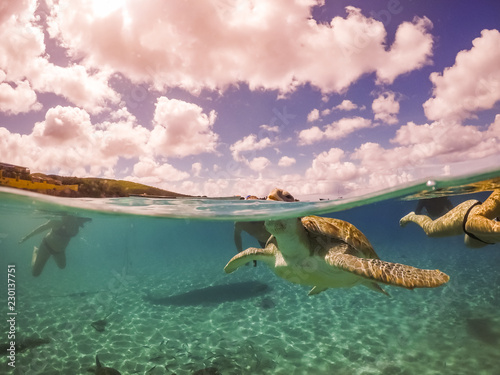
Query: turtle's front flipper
[
  {"x": 388, "y": 273},
  {"x": 375, "y": 287},
  {"x": 316, "y": 290},
  {"x": 266, "y": 255}
]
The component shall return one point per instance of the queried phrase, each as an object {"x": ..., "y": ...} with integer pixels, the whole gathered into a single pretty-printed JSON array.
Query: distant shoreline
[{"x": 18, "y": 177}]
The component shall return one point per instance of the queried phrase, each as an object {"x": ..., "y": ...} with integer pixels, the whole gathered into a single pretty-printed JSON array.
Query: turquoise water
[{"x": 152, "y": 270}]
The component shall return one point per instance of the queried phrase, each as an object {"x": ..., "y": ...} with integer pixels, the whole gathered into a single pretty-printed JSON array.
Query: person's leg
[
  {"x": 490, "y": 209},
  {"x": 60, "y": 259},
  {"x": 39, "y": 258},
  {"x": 449, "y": 224},
  {"x": 482, "y": 221}
]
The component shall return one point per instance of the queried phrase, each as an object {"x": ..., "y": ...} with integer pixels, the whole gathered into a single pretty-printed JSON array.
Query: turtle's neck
[{"x": 290, "y": 236}]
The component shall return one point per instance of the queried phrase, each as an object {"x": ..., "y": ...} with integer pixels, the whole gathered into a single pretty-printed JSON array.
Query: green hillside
[{"x": 101, "y": 187}]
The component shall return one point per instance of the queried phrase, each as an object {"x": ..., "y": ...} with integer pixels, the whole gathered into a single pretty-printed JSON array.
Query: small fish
[
  {"x": 100, "y": 325},
  {"x": 104, "y": 370}
]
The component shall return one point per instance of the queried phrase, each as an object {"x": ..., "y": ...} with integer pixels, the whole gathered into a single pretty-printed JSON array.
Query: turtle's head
[
  {"x": 283, "y": 226},
  {"x": 280, "y": 195}
]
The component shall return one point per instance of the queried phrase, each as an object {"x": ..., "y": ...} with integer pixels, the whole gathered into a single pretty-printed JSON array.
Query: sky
[{"x": 236, "y": 97}]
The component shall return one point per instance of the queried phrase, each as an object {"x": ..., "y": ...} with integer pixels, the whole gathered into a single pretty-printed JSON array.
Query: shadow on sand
[
  {"x": 483, "y": 329},
  {"x": 211, "y": 295}
]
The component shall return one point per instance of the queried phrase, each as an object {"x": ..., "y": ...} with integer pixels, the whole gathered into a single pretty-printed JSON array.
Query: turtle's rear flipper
[
  {"x": 388, "y": 273},
  {"x": 266, "y": 255}
]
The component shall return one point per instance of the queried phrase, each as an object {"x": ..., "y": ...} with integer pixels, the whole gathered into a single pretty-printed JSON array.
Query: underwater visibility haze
[{"x": 144, "y": 288}]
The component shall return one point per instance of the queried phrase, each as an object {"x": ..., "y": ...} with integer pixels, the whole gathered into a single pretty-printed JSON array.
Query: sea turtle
[{"x": 329, "y": 253}]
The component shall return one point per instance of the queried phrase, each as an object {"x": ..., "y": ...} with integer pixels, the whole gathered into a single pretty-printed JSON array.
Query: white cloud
[
  {"x": 472, "y": 84},
  {"x": 15, "y": 147},
  {"x": 248, "y": 143},
  {"x": 18, "y": 99},
  {"x": 196, "y": 169},
  {"x": 386, "y": 107},
  {"x": 10, "y": 8},
  {"x": 336, "y": 130},
  {"x": 24, "y": 59},
  {"x": 419, "y": 151},
  {"x": 258, "y": 164},
  {"x": 343, "y": 127},
  {"x": 286, "y": 161},
  {"x": 154, "y": 173},
  {"x": 270, "y": 129},
  {"x": 123, "y": 138},
  {"x": 329, "y": 166},
  {"x": 181, "y": 129},
  {"x": 435, "y": 144},
  {"x": 313, "y": 115},
  {"x": 67, "y": 142},
  {"x": 411, "y": 50},
  {"x": 232, "y": 44},
  {"x": 346, "y": 105},
  {"x": 494, "y": 129},
  {"x": 311, "y": 135},
  {"x": 62, "y": 143},
  {"x": 88, "y": 91},
  {"x": 64, "y": 125},
  {"x": 445, "y": 142},
  {"x": 22, "y": 40},
  {"x": 375, "y": 158}
]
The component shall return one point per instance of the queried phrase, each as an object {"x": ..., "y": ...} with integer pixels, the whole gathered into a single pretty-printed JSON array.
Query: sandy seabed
[{"x": 275, "y": 330}]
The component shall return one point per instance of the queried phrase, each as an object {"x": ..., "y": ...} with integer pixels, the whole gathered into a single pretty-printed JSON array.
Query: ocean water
[{"x": 144, "y": 288}]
